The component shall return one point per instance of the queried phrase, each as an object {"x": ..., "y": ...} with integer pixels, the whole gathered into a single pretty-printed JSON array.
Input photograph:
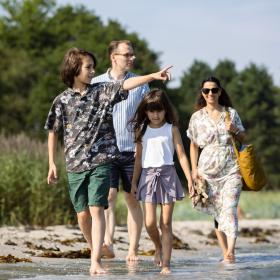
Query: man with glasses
[{"x": 122, "y": 57}]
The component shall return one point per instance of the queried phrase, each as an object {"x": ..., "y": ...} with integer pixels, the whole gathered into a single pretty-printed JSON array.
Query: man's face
[{"x": 123, "y": 57}]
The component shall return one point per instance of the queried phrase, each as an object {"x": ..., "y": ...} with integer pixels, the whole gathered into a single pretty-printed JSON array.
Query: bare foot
[
  {"x": 132, "y": 257},
  {"x": 96, "y": 268},
  {"x": 158, "y": 257},
  {"x": 165, "y": 270},
  {"x": 107, "y": 251},
  {"x": 229, "y": 258}
]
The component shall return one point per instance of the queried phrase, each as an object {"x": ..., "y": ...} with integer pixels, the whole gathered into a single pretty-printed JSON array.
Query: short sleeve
[
  {"x": 236, "y": 120},
  {"x": 54, "y": 120},
  {"x": 144, "y": 90},
  {"x": 116, "y": 91},
  {"x": 192, "y": 131}
]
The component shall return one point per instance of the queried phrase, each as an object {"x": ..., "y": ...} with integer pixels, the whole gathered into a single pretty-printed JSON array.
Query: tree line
[{"x": 35, "y": 35}]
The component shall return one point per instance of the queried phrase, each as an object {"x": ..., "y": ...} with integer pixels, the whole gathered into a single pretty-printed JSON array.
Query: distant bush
[{"x": 25, "y": 196}]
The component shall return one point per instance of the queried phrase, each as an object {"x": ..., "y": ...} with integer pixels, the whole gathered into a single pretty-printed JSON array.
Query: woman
[{"x": 211, "y": 130}]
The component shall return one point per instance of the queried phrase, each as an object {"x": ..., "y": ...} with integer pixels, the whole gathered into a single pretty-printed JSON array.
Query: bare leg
[
  {"x": 229, "y": 257},
  {"x": 98, "y": 231},
  {"x": 110, "y": 219},
  {"x": 222, "y": 239},
  {"x": 151, "y": 227},
  {"x": 230, "y": 211},
  {"x": 134, "y": 224},
  {"x": 84, "y": 221},
  {"x": 167, "y": 236}
]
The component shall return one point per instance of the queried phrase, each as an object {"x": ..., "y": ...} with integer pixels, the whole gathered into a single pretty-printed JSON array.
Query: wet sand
[{"x": 44, "y": 244}]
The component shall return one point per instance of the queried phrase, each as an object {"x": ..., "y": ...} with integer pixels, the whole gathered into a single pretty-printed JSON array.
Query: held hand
[
  {"x": 52, "y": 175},
  {"x": 163, "y": 75},
  {"x": 191, "y": 189},
  {"x": 230, "y": 127}
]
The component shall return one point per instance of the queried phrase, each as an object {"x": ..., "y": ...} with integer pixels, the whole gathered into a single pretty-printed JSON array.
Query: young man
[
  {"x": 122, "y": 57},
  {"x": 83, "y": 113}
]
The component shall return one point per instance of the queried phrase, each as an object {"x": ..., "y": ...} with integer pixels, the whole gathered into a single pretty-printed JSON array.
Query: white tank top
[{"x": 158, "y": 147}]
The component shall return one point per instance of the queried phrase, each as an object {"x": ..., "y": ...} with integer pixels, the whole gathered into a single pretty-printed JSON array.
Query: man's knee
[
  {"x": 131, "y": 201},
  {"x": 112, "y": 195}
]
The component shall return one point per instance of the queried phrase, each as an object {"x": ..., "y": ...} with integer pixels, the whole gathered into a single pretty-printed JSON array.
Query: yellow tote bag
[{"x": 254, "y": 177}]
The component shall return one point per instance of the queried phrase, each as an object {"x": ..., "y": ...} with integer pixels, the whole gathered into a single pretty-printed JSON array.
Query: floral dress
[{"x": 217, "y": 164}]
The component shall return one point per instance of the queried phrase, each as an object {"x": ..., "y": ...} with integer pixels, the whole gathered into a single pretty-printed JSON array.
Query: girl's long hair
[
  {"x": 155, "y": 100},
  {"x": 223, "y": 100}
]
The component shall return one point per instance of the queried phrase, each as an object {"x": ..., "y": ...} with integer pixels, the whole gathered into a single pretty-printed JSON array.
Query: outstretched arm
[
  {"x": 134, "y": 82},
  {"x": 52, "y": 145},
  {"x": 182, "y": 157}
]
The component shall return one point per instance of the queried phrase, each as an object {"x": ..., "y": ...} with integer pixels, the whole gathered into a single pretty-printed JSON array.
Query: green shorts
[{"x": 89, "y": 188}]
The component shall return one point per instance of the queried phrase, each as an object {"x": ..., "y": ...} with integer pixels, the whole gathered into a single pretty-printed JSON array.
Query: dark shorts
[
  {"x": 122, "y": 167},
  {"x": 89, "y": 188}
]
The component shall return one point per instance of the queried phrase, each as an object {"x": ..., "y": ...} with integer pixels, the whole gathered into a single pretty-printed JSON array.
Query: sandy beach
[{"x": 34, "y": 243}]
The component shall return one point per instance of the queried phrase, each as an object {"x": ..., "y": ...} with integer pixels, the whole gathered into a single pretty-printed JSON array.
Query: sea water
[{"x": 258, "y": 262}]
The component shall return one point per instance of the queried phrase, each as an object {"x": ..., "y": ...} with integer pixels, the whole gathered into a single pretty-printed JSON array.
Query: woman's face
[{"x": 211, "y": 93}]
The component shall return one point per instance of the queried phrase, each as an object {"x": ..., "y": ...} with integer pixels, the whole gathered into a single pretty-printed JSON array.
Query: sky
[{"x": 244, "y": 31}]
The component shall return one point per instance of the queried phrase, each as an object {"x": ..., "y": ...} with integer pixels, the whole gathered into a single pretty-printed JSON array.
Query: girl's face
[
  {"x": 211, "y": 93},
  {"x": 156, "y": 118}
]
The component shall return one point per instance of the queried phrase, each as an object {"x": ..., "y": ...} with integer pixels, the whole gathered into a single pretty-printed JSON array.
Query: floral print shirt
[
  {"x": 217, "y": 157},
  {"x": 87, "y": 124}
]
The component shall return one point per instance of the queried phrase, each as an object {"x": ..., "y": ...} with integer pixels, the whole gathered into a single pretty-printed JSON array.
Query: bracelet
[{"x": 237, "y": 132}]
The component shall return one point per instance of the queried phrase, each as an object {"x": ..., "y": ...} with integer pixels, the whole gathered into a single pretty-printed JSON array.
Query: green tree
[
  {"x": 254, "y": 97},
  {"x": 225, "y": 71},
  {"x": 190, "y": 85},
  {"x": 35, "y": 35}
]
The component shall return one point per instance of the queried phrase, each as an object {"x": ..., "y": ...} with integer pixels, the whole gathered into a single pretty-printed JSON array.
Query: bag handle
[{"x": 231, "y": 137}]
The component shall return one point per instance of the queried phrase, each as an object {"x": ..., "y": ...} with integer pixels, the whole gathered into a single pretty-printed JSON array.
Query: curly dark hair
[
  {"x": 155, "y": 100},
  {"x": 223, "y": 100}
]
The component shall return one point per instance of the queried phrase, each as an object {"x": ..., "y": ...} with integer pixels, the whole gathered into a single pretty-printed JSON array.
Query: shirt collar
[{"x": 74, "y": 92}]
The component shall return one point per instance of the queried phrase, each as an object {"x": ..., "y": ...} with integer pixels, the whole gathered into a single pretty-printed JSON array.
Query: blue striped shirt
[{"x": 124, "y": 111}]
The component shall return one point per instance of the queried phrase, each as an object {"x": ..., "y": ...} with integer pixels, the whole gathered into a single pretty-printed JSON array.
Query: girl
[
  {"x": 156, "y": 136},
  {"x": 210, "y": 130}
]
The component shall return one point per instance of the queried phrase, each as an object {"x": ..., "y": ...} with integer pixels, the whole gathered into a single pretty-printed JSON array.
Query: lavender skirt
[{"x": 160, "y": 185}]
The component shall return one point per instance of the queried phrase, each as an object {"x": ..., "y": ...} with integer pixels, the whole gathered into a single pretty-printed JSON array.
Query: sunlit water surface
[{"x": 261, "y": 262}]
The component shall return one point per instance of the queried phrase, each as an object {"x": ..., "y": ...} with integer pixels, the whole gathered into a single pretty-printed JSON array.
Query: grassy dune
[
  {"x": 25, "y": 197},
  {"x": 255, "y": 205}
]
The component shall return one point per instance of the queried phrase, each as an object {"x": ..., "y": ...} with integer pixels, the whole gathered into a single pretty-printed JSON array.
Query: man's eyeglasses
[
  {"x": 127, "y": 55},
  {"x": 214, "y": 90}
]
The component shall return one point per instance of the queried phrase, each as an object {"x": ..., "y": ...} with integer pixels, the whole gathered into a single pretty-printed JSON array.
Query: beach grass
[
  {"x": 27, "y": 199},
  {"x": 255, "y": 205}
]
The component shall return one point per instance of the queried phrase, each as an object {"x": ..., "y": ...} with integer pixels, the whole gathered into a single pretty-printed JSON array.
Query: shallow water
[{"x": 259, "y": 262}]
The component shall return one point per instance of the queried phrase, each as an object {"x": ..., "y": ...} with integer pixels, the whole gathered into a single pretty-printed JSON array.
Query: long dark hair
[
  {"x": 223, "y": 100},
  {"x": 155, "y": 100}
]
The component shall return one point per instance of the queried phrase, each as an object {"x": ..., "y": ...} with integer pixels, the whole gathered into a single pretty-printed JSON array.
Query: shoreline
[{"x": 45, "y": 244}]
